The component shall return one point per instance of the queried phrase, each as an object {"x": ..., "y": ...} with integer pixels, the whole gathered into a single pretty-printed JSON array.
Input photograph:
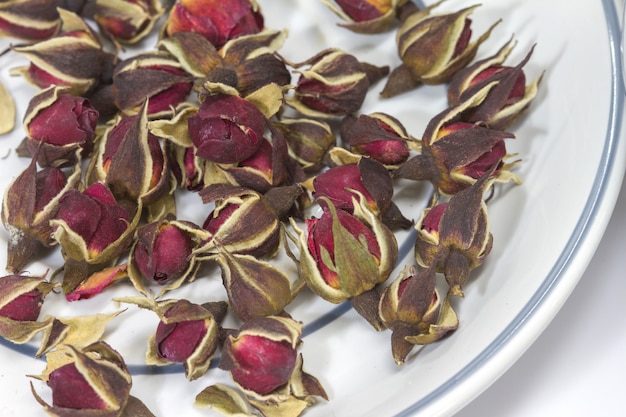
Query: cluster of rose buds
[{"x": 214, "y": 110}]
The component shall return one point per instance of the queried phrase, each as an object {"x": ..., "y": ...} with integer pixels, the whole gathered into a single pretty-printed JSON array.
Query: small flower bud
[
  {"x": 344, "y": 256},
  {"x": 454, "y": 236},
  {"x": 49, "y": 64},
  {"x": 366, "y": 16},
  {"x": 155, "y": 75},
  {"x": 226, "y": 129},
  {"x": 308, "y": 140},
  {"x": 93, "y": 380},
  {"x": 57, "y": 124},
  {"x": 131, "y": 161},
  {"x": 432, "y": 48},
  {"x": 255, "y": 288},
  {"x": 216, "y": 20},
  {"x": 21, "y": 297},
  {"x": 335, "y": 84},
  {"x": 450, "y": 170},
  {"x": 162, "y": 253},
  {"x": 242, "y": 222},
  {"x": 92, "y": 228},
  {"x": 29, "y": 19},
  {"x": 187, "y": 333},
  {"x": 505, "y": 101},
  {"x": 411, "y": 308},
  {"x": 127, "y": 21},
  {"x": 378, "y": 136},
  {"x": 29, "y": 203}
]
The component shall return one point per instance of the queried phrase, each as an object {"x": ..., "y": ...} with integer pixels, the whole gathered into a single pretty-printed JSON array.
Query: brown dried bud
[
  {"x": 432, "y": 48},
  {"x": 412, "y": 309},
  {"x": 29, "y": 19},
  {"x": 242, "y": 222},
  {"x": 127, "y": 21},
  {"x": 455, "y": 154},
  {"x": 50, "y": 66},
  {"x": 131, "y": 161},
  {"x": 308, "y": 141},
  {"x": 334, "y": 85},
  {"x": 366, "y": 16},
  {"x": 57, "y": 125},
  {"x": 156, "y": 76},
  {"x": 505, "y": 101},
  {"x": 379, "y": 136},
  {"x": 454, "y": 236},
  {"x": 29, "y": 203}
]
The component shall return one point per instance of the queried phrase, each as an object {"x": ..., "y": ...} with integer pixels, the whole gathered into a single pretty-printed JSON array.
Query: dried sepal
[
  {"x": 127, "y": 22},
  {"x": 194, "y": 52},
  {"x": 308, "y": 140},
  {"x": 223, "y": 399},
  {"x": 7, "y": 110}
]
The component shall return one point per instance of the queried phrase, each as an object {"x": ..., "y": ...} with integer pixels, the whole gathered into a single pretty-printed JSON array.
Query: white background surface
[{"x": 577, "y": 366}]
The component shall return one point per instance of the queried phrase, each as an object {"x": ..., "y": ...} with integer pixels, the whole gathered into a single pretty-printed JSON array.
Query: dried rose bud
[
  {"x": 254, "y": 62},
  {"x": 162, "y": 253},
  {"x": 367, "y": 177},
  {"x": 29, "y": 203},
  {"x": 505, "y": 101},
  {"x": 432, "y": 48},
  {"x": 29, "y": 19},
  {"x": 242, "y": 222},
  {"x": 188, "y": 333},
  {"x": 131, "y": 160},
  {"x": 449, "y": 169},
  {"x": 268, "y": 167},
  {"x": 454, "y": 236},
  {"x": 366, "y": 16},
  {"x": 412, "y": 309},
  {"x": 344, "y": 256},
  {"x": 378, "y": 136},
  {"x": 308, "y": 140},
  {"x": 217, "y": 21},
  {"x": 255, "y": 287},
  {"x": 57, "y": 124},
  {"x": 93, "y": 380},
  {"x": 155, "y": 75},
  {"x": 48, "y": 59},
  {"x": 21, "y": 297},
  {"x": 335, "y": 84},
  {"x": 92, "y": 228},
  {"x": 127, "y": 21},
  {"x": 226, "y": 129}
]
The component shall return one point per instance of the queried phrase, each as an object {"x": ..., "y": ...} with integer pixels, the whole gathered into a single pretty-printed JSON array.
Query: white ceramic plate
[{"x": 545, "y": 231}]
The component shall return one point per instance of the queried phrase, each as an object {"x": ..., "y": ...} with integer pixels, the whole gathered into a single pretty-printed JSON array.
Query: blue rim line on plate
[{"x": 582, "y": 228}]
